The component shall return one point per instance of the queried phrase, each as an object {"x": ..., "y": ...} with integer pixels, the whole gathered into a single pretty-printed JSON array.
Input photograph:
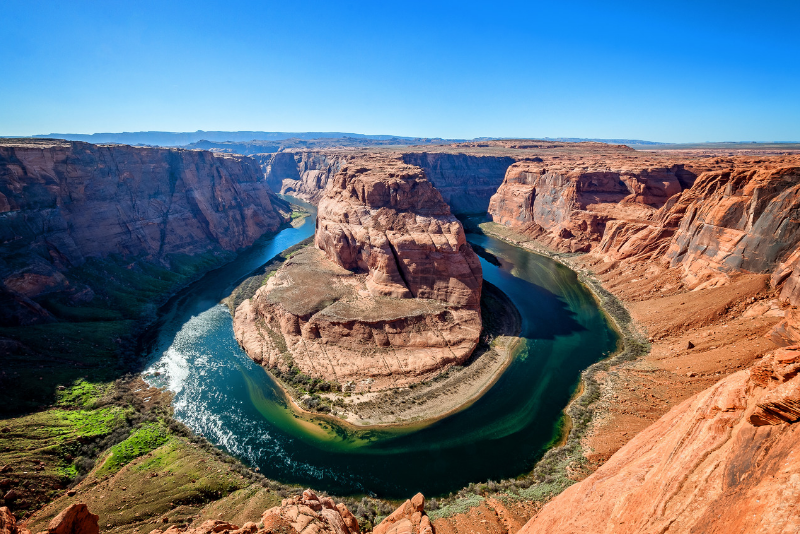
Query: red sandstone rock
[
  {"x": 63, "y": 202},
  {"x": 391, "y": 299},
  {"x": 385, "y": 218},
  {"x": 75, "y": 519},
  {"x": 8, "y": 523},
  {"x": 308, "y": 514},
  {"x": 703, "y": 467},
  {"x": 409, "y": 518}
]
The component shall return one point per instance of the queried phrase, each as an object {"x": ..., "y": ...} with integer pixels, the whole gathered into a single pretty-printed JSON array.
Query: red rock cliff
[
  {"x": 725, "y": 460},
  {"x": 388, "y": 220},
  {"x": 63, "y": 202}
]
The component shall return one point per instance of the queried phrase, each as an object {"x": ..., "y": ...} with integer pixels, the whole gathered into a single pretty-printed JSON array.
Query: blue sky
[{"x": 664, "y": 71}]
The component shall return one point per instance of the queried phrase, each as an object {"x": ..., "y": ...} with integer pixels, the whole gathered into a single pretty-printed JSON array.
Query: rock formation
[
  {"x": 301, "y": 174},
  {"x": 8, "y": 523},
  {"x": 724, "y": 460},
  {"x": 566, "y": 202},
  {"x": 75, "y": 519},
  {"x": 63, "y": 202},
  {"x": 466, "y": 181},
  {"x": 309, "y": 514},
  {"x": 390, "y": 296},
  {"x": 409, "y": 518}
]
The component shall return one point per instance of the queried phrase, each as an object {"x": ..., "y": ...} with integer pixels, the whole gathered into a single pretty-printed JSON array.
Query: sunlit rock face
[
  {"x": 724, "y": 460},
  {"x": 389, "y": 296}
]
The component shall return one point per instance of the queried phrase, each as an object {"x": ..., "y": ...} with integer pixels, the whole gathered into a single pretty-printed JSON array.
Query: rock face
[
  {"x": 75, "y": 519},
  {"x": 390, "y": 297},
  {"x": 301, "y": 174},
  {"x": 309, "y": 514},
  {"x": 466, "y": 181},
  {"x": 8, "y": 523},
  {"x": 722, "y": 461},
  {"x": 388, "y": 220},
  {"x": 63, "y": 202},
  {"x": 567, "y": 202},
  {"x": 709, "y": 219},
  {"x": 409, "y": 518}
]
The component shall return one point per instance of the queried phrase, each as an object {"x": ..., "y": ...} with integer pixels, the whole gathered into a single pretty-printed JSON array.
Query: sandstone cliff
[
  {"x": 389, "y": 297},
  {"x": 466, "y": 181},
  {"x": 566, "y": 202},
  {"x": 63, "y": 202},
  {"x": 301, "y": 174},
  {"x": 722, "y": 461}
]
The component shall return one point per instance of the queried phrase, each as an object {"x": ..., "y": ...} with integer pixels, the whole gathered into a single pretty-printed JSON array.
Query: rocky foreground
[
  {"x": 302, "y": 514},
  {"x": 389, "y": 295}
]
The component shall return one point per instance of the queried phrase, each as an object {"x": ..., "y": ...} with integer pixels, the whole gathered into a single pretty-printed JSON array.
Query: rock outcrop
[
  {"x": 409, "y": 518},
  {"x": 8, "y": 523},
  {"x": 390, "y": 296},
  {"x": 309, "y": 514},
  {"x": 388, "y": 220},
  {"x": 725, "y": 460},
  {"x": 75, "y": 519},
  {"x": 63, "y": 202}
]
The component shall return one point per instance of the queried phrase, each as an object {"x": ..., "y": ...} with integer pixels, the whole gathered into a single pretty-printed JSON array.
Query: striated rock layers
[
  {"x": 566, "y": 202},
  {"x": 466, "y": 182},
  {"x": 301, "y": 174},
  {"x": 389, "y": 296},
  {"x": 725, "y": 460},
  {"x": 63, "y": 202}
]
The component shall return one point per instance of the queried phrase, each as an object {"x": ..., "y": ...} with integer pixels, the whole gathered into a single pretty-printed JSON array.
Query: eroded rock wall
[
  {"x": 725, "y": 460},
  {"x": 466, "y": 181},
  {"x": 301, "y": 174},
  {"x": 63, "y": 202},
  {"x": 567, "y": 203}
]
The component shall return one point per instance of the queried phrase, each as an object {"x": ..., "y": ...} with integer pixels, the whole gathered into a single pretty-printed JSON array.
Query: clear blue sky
[{"x": 657, "y": 70}]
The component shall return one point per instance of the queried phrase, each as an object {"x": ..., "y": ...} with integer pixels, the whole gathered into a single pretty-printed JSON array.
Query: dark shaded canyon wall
[
  {"x": 63, "y": 202},
  {"x": 466, "y": 182}
]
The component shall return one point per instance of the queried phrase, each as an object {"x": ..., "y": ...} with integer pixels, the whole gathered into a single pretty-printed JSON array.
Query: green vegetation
[
  {"x": 146, "y": 438},
  {"x": 96, "y": 338}
]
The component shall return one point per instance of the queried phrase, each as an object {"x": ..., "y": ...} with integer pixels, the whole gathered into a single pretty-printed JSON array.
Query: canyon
[
  {"x": 700, "y": 247},
  {"x": 65, "y": 202}
]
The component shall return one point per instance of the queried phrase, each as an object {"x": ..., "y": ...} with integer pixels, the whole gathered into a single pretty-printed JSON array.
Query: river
[{"x": 223, "y": 395}]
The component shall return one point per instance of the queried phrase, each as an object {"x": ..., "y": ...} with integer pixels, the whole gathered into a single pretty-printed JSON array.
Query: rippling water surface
[{"x": 223, "y": 395}]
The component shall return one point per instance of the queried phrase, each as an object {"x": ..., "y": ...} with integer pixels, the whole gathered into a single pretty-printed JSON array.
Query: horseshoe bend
[{"x": 544, "y": 277}]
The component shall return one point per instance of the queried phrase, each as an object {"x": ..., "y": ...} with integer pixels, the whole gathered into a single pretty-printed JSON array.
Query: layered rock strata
[
  {"x": 466, "y": 181},
  {"x": 389, "y": 296},
  {"x": 301, "y": 174},
  {"x": 722, "y": 461},
  {"x": 567, "y": 202},
  {"x": 63, "y": 202}
]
